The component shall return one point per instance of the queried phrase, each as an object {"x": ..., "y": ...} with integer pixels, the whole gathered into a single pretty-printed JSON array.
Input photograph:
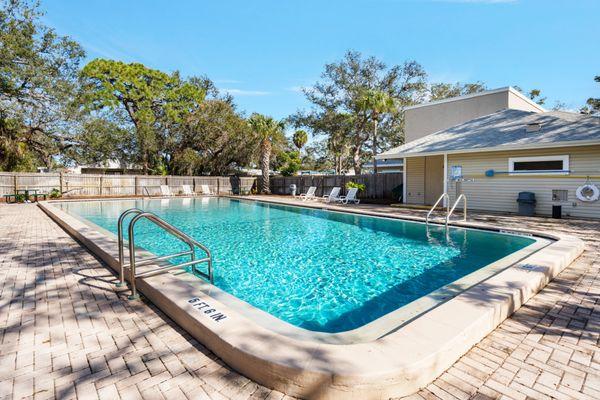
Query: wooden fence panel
[
  {"x": 378, "y": 186},
  {"x": 72, "y": 185}
]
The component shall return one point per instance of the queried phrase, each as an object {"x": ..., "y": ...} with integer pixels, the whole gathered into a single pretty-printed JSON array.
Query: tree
[
  {"x": 340, "y": 92},
  {"x": 38, "y": 80},
  {"x": 300, "y": 138},
  {"x": 154, "y": 102},
  {"x": 439, "y": 91},
  {"x": 376, "y": 103},
  {"x": 290, "y": 162},
  {"x": 214, "y": 139},
  {"x": 269, "y": 133},
  {"x": 592, "y": 104}
]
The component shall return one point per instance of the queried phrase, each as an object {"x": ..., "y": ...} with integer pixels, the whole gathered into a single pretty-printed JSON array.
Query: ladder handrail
[
  {"x": 191, "y": 242},
  {"x": 444, "y": 195},
  {"x": 464, "y": 199},
  {"x": 120, "y": 240}
]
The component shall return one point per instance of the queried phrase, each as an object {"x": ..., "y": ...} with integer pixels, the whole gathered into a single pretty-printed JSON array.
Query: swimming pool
[{"x": 318, "y": 270}]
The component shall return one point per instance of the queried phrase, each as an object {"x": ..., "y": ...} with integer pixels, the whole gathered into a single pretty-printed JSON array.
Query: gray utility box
[{"x": 526, "y": 202}]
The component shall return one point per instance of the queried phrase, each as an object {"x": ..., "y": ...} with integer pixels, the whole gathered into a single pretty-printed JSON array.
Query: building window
[{"x": 553, "y": 165}]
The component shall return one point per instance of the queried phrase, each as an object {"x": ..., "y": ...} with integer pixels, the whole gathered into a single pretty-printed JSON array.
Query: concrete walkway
[{"x": 66, "y": 333}]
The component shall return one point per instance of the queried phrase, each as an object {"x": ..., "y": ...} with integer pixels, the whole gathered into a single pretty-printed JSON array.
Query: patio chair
[
  {"x": 165, "y": 190},
  {"x": 187, "y": 190},
  {"x": 205, "y": 189},
  {"x": 350, "y": 197},
  {"x": 309, "y": 195},
  {"x": 333, "y": 196}
]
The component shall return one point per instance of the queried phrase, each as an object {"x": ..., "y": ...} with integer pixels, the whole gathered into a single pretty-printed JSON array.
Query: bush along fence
[
  {"x": 84, "y": 185},
  {"x": 377, "y": 186}
]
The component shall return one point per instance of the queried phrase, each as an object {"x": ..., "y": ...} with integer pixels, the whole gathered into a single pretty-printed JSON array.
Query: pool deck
[{"x": 66, "y": 333}]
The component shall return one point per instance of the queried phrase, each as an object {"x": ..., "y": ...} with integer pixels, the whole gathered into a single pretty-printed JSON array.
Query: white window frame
[{"x": 563, "y": 158}]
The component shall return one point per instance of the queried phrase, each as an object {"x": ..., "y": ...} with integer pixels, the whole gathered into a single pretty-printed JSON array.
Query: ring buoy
[{"x": 588, "y": 193}]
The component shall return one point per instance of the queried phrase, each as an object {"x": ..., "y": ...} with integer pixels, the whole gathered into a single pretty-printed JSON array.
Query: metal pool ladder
[
  {"x": 449, "y": 211},
  {"x": 193, "y": 244}
]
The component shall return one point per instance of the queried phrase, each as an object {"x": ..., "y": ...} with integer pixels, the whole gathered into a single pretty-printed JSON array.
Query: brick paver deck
[{"x": 66, "y": 333}]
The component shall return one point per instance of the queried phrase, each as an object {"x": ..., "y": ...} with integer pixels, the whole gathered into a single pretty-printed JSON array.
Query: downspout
[
  {"x": 404, "y": 199},
  {"x": 445, "y": 178}
]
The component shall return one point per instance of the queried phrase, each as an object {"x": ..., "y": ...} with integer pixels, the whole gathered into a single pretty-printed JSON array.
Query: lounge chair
[
  {"x": 333, "y": 196},
  {"x": 165, "y": 190},
  {"x": 187, "y": 190},
  {"x": 206, "y": 190},
  {"x": 310, "y": 194},
  {"x": 350, "y": 197}
]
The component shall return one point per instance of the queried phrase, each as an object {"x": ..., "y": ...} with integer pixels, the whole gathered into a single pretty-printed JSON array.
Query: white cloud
[
  {"x": 240, "y": 92},
  {"x": 296, "y": 89}
]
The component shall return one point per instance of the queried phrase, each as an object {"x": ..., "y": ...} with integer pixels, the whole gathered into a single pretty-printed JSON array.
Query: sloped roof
[{"x": 505, "y": 129}]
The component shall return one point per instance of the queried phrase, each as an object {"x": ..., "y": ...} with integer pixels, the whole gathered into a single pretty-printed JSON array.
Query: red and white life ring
[{"x": 588, "y": 193}]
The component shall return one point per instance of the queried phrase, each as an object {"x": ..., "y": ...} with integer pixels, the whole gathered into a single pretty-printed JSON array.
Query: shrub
[
  {"x": 360, "y": 186},
  {"x": 55, "y": 193}
]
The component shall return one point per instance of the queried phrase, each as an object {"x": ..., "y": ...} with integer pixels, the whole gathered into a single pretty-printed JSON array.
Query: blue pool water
[{"x": 319, "y": 270}]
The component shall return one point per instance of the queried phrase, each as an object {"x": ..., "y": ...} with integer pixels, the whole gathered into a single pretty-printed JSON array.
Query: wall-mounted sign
[{"x": 456, "y": 172}]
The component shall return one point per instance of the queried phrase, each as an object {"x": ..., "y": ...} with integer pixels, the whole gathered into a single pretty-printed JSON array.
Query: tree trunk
[
  {"x": 357, "y": 164},
  {"x": 265, "y": 162},
  {"x": 375, "y": 122}
]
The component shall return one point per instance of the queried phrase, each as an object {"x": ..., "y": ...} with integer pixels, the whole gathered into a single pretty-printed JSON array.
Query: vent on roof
[{"x": 533, "y": 127}]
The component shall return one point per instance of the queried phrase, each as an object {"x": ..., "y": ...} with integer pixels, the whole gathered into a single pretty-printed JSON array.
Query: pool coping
[{"x": 395, "y": 365}]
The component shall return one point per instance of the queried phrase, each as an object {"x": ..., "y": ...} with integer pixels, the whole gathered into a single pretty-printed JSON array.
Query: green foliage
[
  {"x": 153, "y": 101},
  {"x": 219, "y": 138},
  {"x": 269, "y": 134},
  {"x": 300, "y": 138},
  {"x": 592, "y": 104},
  {"x": 339, "y": 101},
  {"x": 55, "y": 193},
  {"x": 291, "y": 163},
  {"x": 360, "y": 186},
  {"x": 38, "y": 71},
  {"x": 439, "y": 91}
]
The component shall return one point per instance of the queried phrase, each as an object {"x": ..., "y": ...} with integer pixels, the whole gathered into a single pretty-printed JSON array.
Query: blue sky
[{"x": 262, "y": 51}]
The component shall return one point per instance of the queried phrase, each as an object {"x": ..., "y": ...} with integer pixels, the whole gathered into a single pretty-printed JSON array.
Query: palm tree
[
  {"x": 376, "y": 103},
  {"x": 300, "y": 138},
  {"x": 269, "y": 133}
]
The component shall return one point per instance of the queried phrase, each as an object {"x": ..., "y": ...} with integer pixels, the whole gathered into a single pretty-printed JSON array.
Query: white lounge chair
[
  {"x": 350, "y": 197},
  {"x": 206, "y": 190},
  {"x": 165, "y": 190},
  {"x": 333, "y": 196},
  {"x": 187, "y": 190},
  {"x": 310, "y": 194}
]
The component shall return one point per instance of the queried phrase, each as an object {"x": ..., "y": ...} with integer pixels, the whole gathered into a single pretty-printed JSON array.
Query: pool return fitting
[{"x": 193, "y": 244}]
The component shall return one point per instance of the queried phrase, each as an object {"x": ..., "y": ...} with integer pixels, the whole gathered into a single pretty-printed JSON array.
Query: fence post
[
  {"x": 16, "y": 183},
  {"x": 218, "y": 185},
  {"x": 101, "y": 183},
  {"x": 135, "y": 185},
  {"x": 60, "y": 181}
]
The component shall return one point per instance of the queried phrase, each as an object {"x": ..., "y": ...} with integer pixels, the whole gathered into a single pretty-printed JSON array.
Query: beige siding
[
  {"x": 415, "y": 180},
  {"x": 519, "y": 103},
  {"x": 429, "y": 118},
  {"x": 499, "y": 193},
  {"x": 422, "y": 121}
]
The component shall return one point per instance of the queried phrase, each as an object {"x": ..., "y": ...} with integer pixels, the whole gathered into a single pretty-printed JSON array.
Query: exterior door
[{"x": 434, "y": 178}]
